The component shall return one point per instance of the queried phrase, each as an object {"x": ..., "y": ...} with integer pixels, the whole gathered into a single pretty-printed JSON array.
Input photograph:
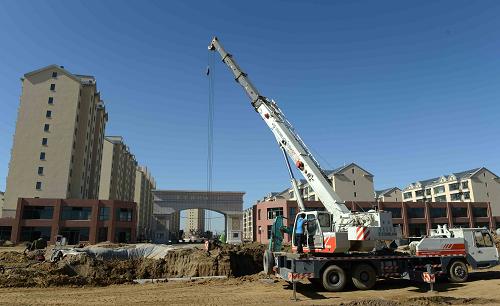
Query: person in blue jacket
[{"x": 299, "y": 232}]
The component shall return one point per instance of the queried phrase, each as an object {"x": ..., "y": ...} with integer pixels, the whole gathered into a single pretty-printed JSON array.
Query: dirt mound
[
  {"x": 82, "y": 269},
  {"x": 497, "y": 241}
]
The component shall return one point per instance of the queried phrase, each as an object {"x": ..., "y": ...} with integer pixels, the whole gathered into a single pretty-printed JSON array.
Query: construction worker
[{"x": 299, "y": 232}]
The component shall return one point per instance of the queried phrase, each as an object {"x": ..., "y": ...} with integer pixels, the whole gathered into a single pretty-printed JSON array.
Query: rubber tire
[
  {"x": 341, "y": 280},
  {"x": 268, "y": 262},
  {"x": 453, "y": 276},
  {"x": 364, "y": 271}
]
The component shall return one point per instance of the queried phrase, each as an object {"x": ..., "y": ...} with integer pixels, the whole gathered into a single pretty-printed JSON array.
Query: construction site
[{"x": 83, "y": 221}]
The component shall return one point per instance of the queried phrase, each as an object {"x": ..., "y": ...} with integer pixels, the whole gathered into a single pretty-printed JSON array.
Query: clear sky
[{"x": 407, "y": 89}]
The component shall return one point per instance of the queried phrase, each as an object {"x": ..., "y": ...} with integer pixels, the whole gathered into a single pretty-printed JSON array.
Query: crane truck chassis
[
  {"x": 344, "y": 245},
  {"x": 445, "y": 253}
]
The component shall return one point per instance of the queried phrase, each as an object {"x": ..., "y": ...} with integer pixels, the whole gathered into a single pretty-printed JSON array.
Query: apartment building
[
  {"x": 350, "y": 182},
  {"x": 195, "y": 222},
  {"x": 118, "y": 170},
  {"x": 248, "y": 232},
  {"x": 475, "y": 185},
  {"x": 393, "y": 194},
  {"x": 144, "y": 185},
  {"x": 56, "y": 146}
]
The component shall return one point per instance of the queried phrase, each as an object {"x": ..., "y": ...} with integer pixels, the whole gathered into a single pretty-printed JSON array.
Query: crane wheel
[
  {"x": 334, "y": 278},
  {"x": 458, "y": 272},
  {"x": 364, "y": 277},
  {"x": 268, "y": 262}
]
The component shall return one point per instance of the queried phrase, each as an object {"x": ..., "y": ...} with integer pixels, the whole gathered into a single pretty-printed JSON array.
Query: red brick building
[
  {"x": 415, "y": 218},
  {"x": 78, "y": 220}
]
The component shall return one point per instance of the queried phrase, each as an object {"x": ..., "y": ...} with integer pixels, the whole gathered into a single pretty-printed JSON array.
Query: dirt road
[{"x": 482, "y": 289}]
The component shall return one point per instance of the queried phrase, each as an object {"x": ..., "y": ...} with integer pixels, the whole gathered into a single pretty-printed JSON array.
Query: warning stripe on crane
[{"x": 362, "y": 233}]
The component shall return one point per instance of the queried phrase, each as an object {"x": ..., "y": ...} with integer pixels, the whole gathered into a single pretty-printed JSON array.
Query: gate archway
[{"x": 168, "y": 204}]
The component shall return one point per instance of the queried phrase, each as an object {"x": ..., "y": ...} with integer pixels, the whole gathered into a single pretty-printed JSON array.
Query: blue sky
[{"x": 408, "y": 90}]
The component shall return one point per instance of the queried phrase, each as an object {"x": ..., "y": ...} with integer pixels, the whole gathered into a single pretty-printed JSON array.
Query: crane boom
[{"x": 287, "y": 137}]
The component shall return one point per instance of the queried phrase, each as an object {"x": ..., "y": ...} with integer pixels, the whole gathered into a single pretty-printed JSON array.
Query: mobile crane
[{"x": 341, "y": 241}]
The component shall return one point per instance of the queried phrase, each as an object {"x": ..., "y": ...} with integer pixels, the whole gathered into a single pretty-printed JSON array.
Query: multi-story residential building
[
  {"x": 56, "y": 145},
  {"x": 117, "y": 181},
  {"x": 350, "y": 182},
  {"x": 248, "y": 233},
  {"x": 393, "y": 194},
  {"x": 144, "y": 185},
  {"x": 195, "y": 222},
  {"x": 475, "y": 185},
  {"x": 2, "y": 199}
]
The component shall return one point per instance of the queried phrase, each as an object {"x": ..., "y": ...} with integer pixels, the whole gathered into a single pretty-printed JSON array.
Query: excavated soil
[
  {"x": 82, "y": 270},
  {"x": 421, "y": 301}
]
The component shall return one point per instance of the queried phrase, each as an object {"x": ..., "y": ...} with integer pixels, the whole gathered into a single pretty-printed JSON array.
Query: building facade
[
  {"x": 393, "y": 194},
  {"x": 79, "y": 221},
  {"x": 195, "y": 222},
  {"x": 144, "y": 186},
  {"x": 350, "y": 182},
  {"x": 475, "y": 185},
  {"x": 118, "y": 170},
  {"x": 415, "y": 219},
  {"x": 248, "y": 232},
  {"x": 56, "y": 143}
]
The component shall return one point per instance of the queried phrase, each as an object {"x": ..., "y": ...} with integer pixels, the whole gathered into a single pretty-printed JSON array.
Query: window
[
  {"x": 419, "y": 193},
  {"x": 38, "y": 212},
  {"x": 38, "y": 186},
  {"x": 46, "y": 127},
  {"x": 290, "y": 194},
  {"x": 42, "y": 156},
  {"x": 40, "y": 170},
  {"x": 51, "y": 100},
  {"x": 48, "y": 114},
  {"x": 103, "y": 213},
  {"x": 354, "y": 182},
  {"x": 44, "y": 141},
  {"x": 465, "y": 185},
  {"x": 269, "y": 229},
  {"x": 33, "y": 233},
  {"x": 428, "y": 191},
  {"x": 440, "y": 199},
  {"x": 483, "y": 240},
  {"x": 124, "y": 214},
  {"x": 453, "y": 186},
  {"x": 459, "y": 212},
  {"x": 438, "y": 212},
  {"x": 480, "y": 211},
  {"x": 352, "y": 170},
  {"x": 258, "y": 214},
  {"x": 439, "y": 189},
  {"x": 274, "y": 212},
  {"x": 407, "y": 195},
  {"x": 467, "y": 195},
  {"x": 416, "y": 212},
  {"x": 54, "y": 74},
  {"x": 455, "y": 196},
  {"x": 354, "y": 193},
  {"x": 52, "y": 86},
  {"x": 293, "y": 212},
  {"x": 76, "y": 213}
]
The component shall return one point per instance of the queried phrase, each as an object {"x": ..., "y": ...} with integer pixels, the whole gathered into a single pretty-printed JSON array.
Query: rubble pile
[{"x": 83, "y": 269}]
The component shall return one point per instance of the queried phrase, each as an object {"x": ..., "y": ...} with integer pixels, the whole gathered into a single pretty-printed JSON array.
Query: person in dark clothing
[{"x": 299, "y": 232}]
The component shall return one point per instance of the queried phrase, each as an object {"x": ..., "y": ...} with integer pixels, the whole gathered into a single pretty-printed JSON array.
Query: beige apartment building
[
  {"x": 143, "y": 196},
  {"x": 55, "y": 152},
  {"x": 350, "y": 182},
  {"x": 248, "y": 224},
  {"x": 195, "y": 222},
  {"x": 118, "y": 171},
  {"x": 393, "y": 194},
  {"x": 475, "y": 185}
]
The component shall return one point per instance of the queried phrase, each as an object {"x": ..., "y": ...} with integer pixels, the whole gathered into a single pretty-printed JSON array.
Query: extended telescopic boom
[{"x": 286, "y": 137}]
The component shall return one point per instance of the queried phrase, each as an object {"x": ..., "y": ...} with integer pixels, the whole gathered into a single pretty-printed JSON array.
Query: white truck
[{"x": 342, "y": 245}]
